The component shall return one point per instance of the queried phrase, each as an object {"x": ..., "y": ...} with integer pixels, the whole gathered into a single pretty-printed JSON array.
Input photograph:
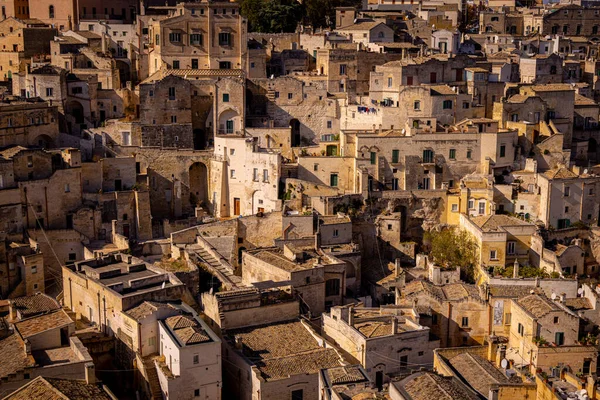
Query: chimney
[
  {"x": 104, "y": 44},
  {"x": 562, "y": 297},
  {"x": 397, "y": 267},
  {"x": 12, "y": 311},
  {"x": 500, "y": 355},
  {"x": 516, "y": 269},
  {"x": 351, "y": 315},
  {"x": 239, "y": 343},
  {"x": 27, "y": 347},
  {"x": 90, "y": 373},
  {"x": 394, "y": 325}
]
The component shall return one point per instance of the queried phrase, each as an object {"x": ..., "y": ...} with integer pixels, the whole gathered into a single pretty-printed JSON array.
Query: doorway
[{"x": 236, "y": 206}]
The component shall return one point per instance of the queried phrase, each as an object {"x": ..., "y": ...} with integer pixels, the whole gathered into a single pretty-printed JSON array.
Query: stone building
[
  {"x": 455, "y": 313},
  {"x": 276, "y": 360},
  {"x": 384, "y": 341},
  {"x": 199, "y": 36},
  {"x": 567, "y": 197},
  {"x": 30, "y": 122},
  {"x": 571, "y": 20},
  {"x": 319, "y": 279},
  {"x": 20, "y": 40},
  {"x": 245, "y": 178},
  {"x": 541, "y": 69},
  {"x": 125, "y": 282},
  {"x": 501, "y": 239}
]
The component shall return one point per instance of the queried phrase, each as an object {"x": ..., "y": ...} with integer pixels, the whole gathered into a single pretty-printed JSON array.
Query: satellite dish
[
  {"x": 553, "y": 296},
  {"x": 585, "y": 171},
  {"x": 504, "y": 363},
  {"x": 580, "y": 291}
]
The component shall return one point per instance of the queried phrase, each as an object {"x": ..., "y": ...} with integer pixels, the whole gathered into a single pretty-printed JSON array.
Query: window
[
  {"x": 229, "y": 126},
  {"x": 564, "y": 223},
  {"x": 297, "y": 394},
  {"x": 336, "y": 233},
  {"x": 454, "y": 207},
  {"x": 556, "y": 320},
  {"x": 276, "y": 95},
  {"x": 395, "y": 156},
  {"x": 469, "y": 154},
  {"x": 466, "y": 105},
  {"x": 567, "y": 209},
  {"x": 77, "y": 90},
  {"x": 482, "y": 207},
  {"x": 390, "y": 82},
  {"x": 30, "y": 161},
  {"x": 507, "y": 318},
  {"x": 373, "y": 158},
  {"x": 403, "y": 361},
  {"x": 265, "y": 175},
  {"x": 175, "y": 64},
  {"x": 196, "y": 391},
  {"x": 196, "y": 359},
  {"x": 329, "y": 124},
  {"x": 493, "y": 255},
  {"x": 290, "y": 96},
  {"x": 511, "y": 248},
  {"x": 231, "y": 152},
  {"x": 255, "y": 175},
  {"x": 49, "y": 92},
  {"x": 567, "y": 191},
  {"x": 333, "y": 180},
  {"x": 171, "y": 93},
  {"x": 447, "y": 104},
  {"x": 67, "y": 188},
  {"x": 465, "y": 322},
  {"x": 173, "y": 119},
  {"x": 332, "y": 287},
  {"x": 51, "y": 12},
  {"x": 521, "y": 329},
  {"x": 224, "y": 39},
  {"x": 428, "y": 156},
  {"x": 232, "y": 174},
  {"x": 225, "y": 97},
  {"x": 315, "y": 167},
  {"x": 342, "y": 69},
  {"x": 196, "y": 39},
  {"x": 175, "y": 37},
  {"x": 502, "y": 151},
  {"x": 559, "y": 338},
  {"x": 452, "y": 154},
  {"x": 417, "y": 105}
]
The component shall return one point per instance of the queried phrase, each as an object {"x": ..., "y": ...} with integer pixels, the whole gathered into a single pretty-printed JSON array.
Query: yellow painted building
[{"x": 474, "y": 197}]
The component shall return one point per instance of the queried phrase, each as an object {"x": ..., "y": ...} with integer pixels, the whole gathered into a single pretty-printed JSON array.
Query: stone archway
[
  {"x": 43, "y": 141},
  {"x": 295, "y": 127},
  {"x": 76, "y": 110},
  {"x": 229, "y": 122}
]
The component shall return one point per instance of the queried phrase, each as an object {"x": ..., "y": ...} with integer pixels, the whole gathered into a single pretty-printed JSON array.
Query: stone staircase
[
  {"x": 216, "y": 263},
  {"x": 152, "y": 377}
]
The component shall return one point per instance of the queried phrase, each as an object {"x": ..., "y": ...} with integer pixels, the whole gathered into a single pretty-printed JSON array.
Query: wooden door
[{"x": 236, "y": 206}]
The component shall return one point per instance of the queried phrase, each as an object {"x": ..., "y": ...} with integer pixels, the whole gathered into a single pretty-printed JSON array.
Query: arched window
[{"x": 51, "y": 11}]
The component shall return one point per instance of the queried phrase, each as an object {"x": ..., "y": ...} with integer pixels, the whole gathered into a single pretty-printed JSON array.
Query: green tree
[
  {"x": 272, "y": 16},
  {"x": 451, "y": 248}
]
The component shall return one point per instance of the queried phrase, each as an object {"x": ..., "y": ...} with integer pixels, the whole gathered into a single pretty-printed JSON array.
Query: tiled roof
[
  {"x": 584, "y": 101},
  {"x": 444, "y": 90},
  {"x": 512, "y": 291},
  {"x": 560, "y": 173},
  {"x": 538, "y": 305},
  {"x": 285, "y": 349},
  {"x": 494, "y": 223},
  {"x": 449, "y": 292},
  {"x": 480, "y": 374},
  {"x": 34, "y": 325},
  {"x": 361, "y": 26},
  {"x": 14, "y": 357},
  {"x": 192, "y": 335},
  {"x": 553, "y": 87},
  {"x": 374, "y": 328},
  {"x": 187, "y": 330},
  {"x": 334, "y": 219},
  {"x": 428, "y": 386},
  {"x": 38, "y": 303},
  {"x": 578, "y": 303},
  {"x": 518, "y": 98},
  {"x": 12, "y": 151},
  {"x": 147, "y": 308},
  {"x": 58, "y": 389},
  {"x": 347, "y": 374}
]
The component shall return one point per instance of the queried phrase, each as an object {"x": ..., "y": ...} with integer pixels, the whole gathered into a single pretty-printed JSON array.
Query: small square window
[
  {"x": 196, "y": 359},
  {"x": 225, "y": 97}
]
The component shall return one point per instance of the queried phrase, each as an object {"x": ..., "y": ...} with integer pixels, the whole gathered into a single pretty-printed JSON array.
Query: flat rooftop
[{"x": 125, "y": 274}]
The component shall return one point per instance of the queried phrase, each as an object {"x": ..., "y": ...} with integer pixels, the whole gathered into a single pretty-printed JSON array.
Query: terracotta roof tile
[
  {"x": 39, "y": 303},
  {"x": 34, "y": 325}
]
